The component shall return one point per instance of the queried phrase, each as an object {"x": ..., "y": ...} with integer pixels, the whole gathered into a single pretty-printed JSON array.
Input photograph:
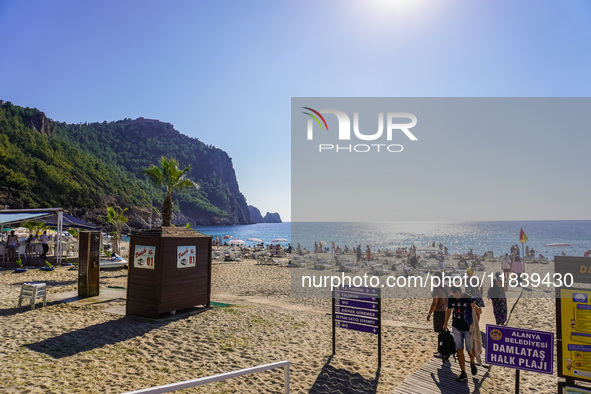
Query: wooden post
[{"x": 88, "y": 264}]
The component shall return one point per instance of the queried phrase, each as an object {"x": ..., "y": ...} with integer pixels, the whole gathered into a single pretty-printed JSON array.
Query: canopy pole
[{"x": 60, "y": 223}]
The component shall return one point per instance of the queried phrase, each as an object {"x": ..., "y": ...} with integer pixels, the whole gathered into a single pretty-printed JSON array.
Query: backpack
[{"x": 446, "y": 345}]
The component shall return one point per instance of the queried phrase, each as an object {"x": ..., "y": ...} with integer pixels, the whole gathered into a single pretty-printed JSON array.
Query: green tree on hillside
[
  {"x": 172, "y": 178},
  {"x": 117, "y": 218}
]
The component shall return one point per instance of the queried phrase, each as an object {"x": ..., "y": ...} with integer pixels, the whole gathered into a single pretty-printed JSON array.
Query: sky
[{"x": 225, "y": 71}]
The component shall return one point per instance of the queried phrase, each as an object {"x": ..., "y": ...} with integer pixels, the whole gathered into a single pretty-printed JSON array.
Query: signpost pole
[
  {"x": 333, "y": 323},
  {"x": 379, "y": 328},
  {"x": 517, "y": 381}
]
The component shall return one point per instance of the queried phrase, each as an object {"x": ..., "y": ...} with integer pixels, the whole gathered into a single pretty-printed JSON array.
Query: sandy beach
[{"x": 82, "y": 348}]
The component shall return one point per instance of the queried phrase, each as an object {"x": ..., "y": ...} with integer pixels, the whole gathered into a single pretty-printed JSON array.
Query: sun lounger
[
  {"x": 297, "y": 264},
  {"x": 349, "y": 267},
  {"x": 322, "y": 265},
  {"x": 379, "y": 269}
]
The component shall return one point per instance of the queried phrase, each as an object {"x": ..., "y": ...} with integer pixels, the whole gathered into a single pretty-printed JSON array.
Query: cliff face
[
  {"x": 86, "y": 167},
  {"x": 136, "y": 144},
  {"x": 41, "y": 123},
  {"x": 255, "y": 214}
]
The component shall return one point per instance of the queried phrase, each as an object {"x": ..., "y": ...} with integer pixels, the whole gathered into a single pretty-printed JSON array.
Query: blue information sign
[
  {"x": 355, "y": 296},
  {"x": 357, "y": 309},
  {"x": 364, "y": 290},
  {"x": 357, "y": 327},
  {"x": 519, "y": 348},
  {"x": 358, "y": 304},
  {"x": 356, "y": 319},
  {"x": 356, "y": 312}
]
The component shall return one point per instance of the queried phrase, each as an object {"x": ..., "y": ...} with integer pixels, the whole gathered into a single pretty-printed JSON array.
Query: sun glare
[
  {"x": 403, "y": 13},
  {"x": 398, "y": 5}
]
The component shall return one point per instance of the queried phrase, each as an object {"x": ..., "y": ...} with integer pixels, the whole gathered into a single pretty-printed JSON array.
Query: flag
[{"x": 522, "y": 236}]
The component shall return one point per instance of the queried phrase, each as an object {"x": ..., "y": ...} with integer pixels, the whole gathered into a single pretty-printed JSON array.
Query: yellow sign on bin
[{"x": 575, "y": 311}]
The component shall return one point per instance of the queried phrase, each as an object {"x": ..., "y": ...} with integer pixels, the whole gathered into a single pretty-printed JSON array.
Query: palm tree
[
  {"x": 116, "y": 217},
  {"x": 172, "y": 178},
  {"x": 33, "y": 226}
]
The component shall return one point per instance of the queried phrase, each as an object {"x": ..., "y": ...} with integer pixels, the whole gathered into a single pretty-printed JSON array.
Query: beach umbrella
[
  {"x": 557, "y": 245},
  {"x": 236, "y": 242},
  {"x": 227, "y": 237},
  {"x": 277, "y": 240},
  {"x": 259, "y": 241}
]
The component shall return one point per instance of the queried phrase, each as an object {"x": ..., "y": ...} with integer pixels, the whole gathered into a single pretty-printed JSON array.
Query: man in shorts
[
  {"x": 460, "y": 307},
  {"x": 439, "y": 307}
]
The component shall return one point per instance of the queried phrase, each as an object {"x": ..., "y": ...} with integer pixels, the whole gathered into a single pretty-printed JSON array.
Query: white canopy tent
[{"x": 51, "y": 216}]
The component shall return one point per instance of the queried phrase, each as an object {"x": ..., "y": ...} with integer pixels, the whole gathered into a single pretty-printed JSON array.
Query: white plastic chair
[
  {"x": 32, "y": 291},
  {"x": 22, "y": 251},
  {"x": 3, "y": 252},
  {"x": 75, "y": 246}
]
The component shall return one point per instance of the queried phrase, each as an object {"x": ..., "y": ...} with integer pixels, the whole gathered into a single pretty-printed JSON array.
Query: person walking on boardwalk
[
  {"x": 499, "y": 300},
  {"x": 506, "y": 265},
  {"x": 474, "y": 288},
  {"x": 439, "y": 307},
  {"x": 460, "y": 306},
  {"x": 518, "y": 268}
]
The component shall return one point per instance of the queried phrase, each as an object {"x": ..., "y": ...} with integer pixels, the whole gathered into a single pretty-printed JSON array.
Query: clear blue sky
[{"x": 225, "y": 71}]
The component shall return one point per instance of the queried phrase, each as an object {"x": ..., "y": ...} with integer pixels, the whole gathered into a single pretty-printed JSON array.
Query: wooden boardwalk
[{"x": 436, "y": 377}]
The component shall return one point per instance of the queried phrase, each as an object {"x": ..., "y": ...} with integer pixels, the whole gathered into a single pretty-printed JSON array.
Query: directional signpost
[{"x": 357, "y": 309}]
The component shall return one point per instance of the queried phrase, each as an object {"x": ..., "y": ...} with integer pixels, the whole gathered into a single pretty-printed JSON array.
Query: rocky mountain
[
  {"x": 86, "y": 167},
  {"x": 256, "y": 216},
  {"x": 272, "y": 218}
]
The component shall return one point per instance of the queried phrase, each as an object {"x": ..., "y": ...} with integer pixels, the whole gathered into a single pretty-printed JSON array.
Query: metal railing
[{"x": 217, "y": 378}]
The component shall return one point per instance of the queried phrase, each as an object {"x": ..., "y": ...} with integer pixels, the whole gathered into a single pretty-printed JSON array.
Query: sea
[{"x": 459, "y": 237}]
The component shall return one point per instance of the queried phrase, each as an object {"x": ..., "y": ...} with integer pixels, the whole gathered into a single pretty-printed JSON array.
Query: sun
[{"x": 398, "y": 5}]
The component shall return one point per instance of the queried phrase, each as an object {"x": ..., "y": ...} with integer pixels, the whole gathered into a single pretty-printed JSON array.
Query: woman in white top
[{"x": 12, "y": 244}]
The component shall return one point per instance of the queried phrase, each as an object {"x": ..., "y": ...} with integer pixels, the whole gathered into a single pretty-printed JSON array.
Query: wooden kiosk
[{"x": 169, "y": 269}]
